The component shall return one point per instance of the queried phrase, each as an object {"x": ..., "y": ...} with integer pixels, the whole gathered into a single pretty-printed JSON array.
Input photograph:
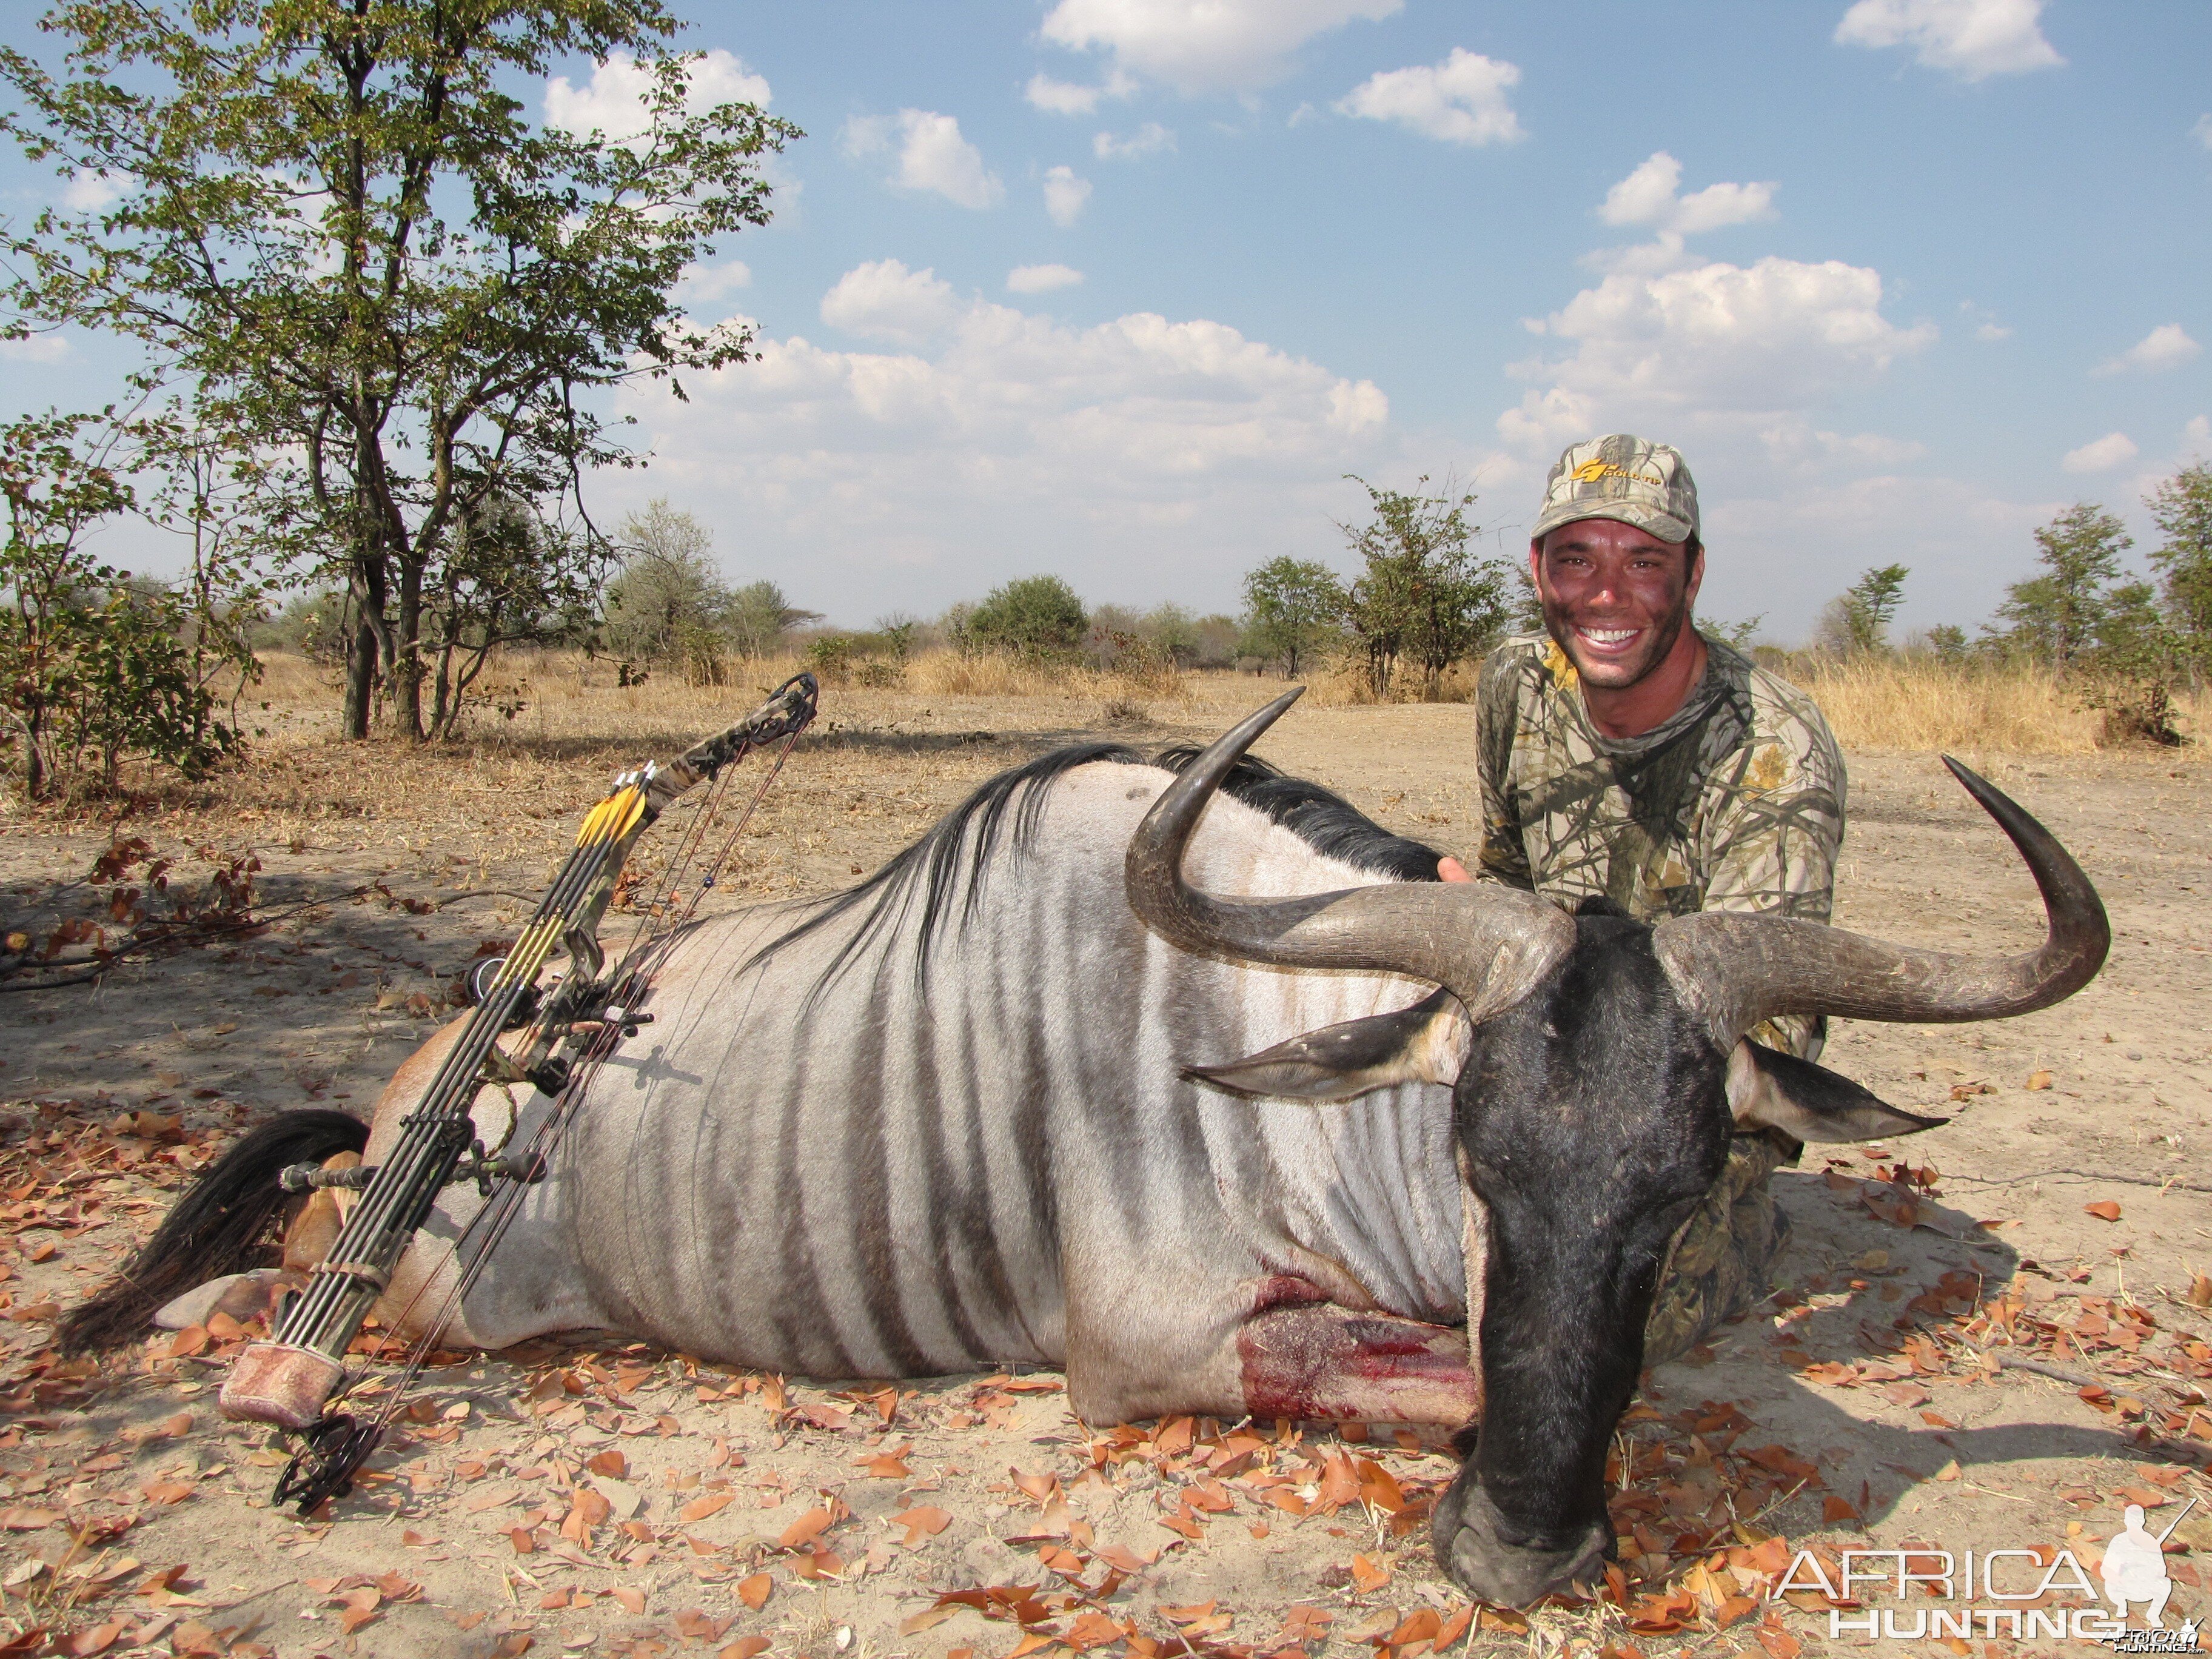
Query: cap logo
[{"x": 1591, "y": 471}]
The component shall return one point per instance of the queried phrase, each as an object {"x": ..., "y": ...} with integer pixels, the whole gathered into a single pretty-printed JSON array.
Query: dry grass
[
  {"x": 505, "y": 782},
  {"x": 1919, "y": 705}
]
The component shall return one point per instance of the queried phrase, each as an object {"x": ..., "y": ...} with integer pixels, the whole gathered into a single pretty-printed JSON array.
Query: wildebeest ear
[
  {"x": 1425, "y": 1043},
  {"x": 1767, "y": 1088}
]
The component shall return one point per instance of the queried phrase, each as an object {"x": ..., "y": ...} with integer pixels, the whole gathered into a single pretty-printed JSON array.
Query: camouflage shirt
[{"x": 1735, "y": 802}]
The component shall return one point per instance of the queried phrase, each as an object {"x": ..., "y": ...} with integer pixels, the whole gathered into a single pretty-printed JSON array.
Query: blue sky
[{"x": 1121, "y": 288}]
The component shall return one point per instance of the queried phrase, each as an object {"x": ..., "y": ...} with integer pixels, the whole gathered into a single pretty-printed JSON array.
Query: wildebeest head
[{"x": 1599, "y": 1067}]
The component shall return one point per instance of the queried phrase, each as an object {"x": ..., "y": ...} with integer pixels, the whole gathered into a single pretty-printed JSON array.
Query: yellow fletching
[
  {"x": 588, "y": 833},
  {"x": 613, "y": 818},
  {"x": 625, "y": 810}
]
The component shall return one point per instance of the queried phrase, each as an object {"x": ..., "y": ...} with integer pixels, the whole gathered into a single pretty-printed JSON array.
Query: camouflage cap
[{"x": 1624, "y": 477}]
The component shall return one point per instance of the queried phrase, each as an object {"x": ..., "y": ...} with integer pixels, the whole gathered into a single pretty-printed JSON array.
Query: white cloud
[
  {"x": 1461, "y": 101},
  {"x": 2113, "y": 450},
  {"x": 1793, "y": 441},
  {"x": 1149, "y": 139},
  {"x": 90, "y": 191},
  {"x": 1987, "y": 328},
  {"x": 1139, "y": 458},
  {"x": 38, "y": 349},
  {"x": 1650, "y": 196},
  {"x": 1971, "y": 38},
  {"x": 2198, "y": 431},
  {"x": 704, "y": 284},
  {"x": 1069, "y": 97},
  {"x": 1715, "y": 344},
  {"x": 2201, "y": 132},
  {"x": 884, "y": 300},
  {"x": 2166, "y": 346},
  {"x": 931, "y": 155},
  {"x": 1042, "y": 279},
  {"x": 1064, "y": 195},
  {"x": 1232, "y": 45},
  {"x": 615, "y": 102}
]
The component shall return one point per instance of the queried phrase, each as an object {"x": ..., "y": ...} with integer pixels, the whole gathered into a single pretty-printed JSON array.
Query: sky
[{"x": 1123, "y": 291}]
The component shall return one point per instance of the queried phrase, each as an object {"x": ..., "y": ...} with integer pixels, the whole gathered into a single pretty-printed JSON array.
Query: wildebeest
[{"x": 1222, "y": 1104}]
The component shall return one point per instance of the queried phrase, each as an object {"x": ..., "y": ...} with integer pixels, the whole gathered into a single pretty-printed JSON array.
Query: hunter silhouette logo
[{"x": 2135, "y": 1567}]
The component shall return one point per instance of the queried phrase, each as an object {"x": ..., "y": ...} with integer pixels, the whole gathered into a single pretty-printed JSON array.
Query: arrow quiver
[{"x": 286, "y": 1380}]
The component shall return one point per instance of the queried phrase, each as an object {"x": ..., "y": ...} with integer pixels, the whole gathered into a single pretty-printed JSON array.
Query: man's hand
[{"x": 1450, "y": 869}]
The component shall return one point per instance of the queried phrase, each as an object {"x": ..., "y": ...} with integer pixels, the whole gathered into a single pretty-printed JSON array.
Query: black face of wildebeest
[
  {"x": 1598, "y": 1067},
  {"x": 1593, "y": 1119}
]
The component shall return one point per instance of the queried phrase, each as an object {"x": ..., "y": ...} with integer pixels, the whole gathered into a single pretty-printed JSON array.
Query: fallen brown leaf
[
  {"x": 2103, "y": 1210},
  {"x": 700, "y": 1508},
  {"x": 753, "y": 1591},
  {"x": 925, "y": 1522},
  {"x": 803, "y": 1531}
]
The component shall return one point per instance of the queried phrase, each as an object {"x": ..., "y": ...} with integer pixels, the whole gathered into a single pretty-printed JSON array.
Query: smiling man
[{"x": 1627, "y": 757}]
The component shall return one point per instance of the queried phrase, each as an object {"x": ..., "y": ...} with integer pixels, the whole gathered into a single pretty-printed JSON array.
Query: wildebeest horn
[
  {"x": 1488, "y": 945},
  {"x": 1736, "y": 970}
]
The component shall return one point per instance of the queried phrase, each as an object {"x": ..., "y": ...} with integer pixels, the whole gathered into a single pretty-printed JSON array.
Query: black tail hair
[{"x": 217, "y": 1227}]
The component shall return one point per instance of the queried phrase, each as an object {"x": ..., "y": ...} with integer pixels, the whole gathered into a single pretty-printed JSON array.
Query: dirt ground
[{"x": 606, "y": 1498}]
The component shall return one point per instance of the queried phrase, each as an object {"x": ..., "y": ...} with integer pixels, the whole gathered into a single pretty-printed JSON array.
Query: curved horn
[
  {"x": 1487, "y": 945},
  {"x": 1739, "y": 970}
]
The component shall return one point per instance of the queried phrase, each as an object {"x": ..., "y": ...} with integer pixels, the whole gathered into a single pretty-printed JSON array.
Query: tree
[
  {"x": 670, "y": 606},
  {"x": 95, "y": 663},
  {"x": 339, "y": 228},
  {"x": 1869, "y": 603},
  {"x": 1293, "y": 608},
  {"x": 1424, "y": 596},
  {"x": 1740, "y": 634},
  {"x": 512, "y": 577},
  {"x": 2055, "y": 616},
  {"x": 1946, "y": 643},
  {"x": 2181, "y": 507},
  {"x": 1035, "y": 616},
  {"x": 759, "y": 616}
]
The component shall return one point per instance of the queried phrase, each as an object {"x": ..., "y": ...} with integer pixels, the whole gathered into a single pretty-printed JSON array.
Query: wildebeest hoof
[
  {"x": 242, "y": 1296},
  {"x": 1474, "y": 1549}
]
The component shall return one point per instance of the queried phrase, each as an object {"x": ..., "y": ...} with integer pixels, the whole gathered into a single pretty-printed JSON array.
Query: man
[{"x": 1628, "y": 757}]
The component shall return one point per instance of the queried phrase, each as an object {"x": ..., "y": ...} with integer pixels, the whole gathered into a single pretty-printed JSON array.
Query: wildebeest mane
[
  {"x": 1324, "y": 820},
  {"x": 932, "y": 871}
]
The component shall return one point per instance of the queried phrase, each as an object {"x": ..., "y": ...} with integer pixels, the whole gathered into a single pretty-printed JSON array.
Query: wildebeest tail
[{"x": 219, "y": 1226}]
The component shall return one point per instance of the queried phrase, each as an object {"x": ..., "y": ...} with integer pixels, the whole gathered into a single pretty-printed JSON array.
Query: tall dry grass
[
  {"x": 1911, "y": 703},
  {"x": 1919, "y": 704}
]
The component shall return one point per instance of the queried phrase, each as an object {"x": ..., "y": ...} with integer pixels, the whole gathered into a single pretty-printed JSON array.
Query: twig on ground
[{"x": 2080, "y": 1175}]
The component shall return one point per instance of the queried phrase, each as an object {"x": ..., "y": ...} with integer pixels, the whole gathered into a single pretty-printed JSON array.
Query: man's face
[{"x": 1615, "y": 598}]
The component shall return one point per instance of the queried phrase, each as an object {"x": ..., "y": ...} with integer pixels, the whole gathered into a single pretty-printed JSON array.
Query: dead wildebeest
[{"x": 986, "y": 1107}]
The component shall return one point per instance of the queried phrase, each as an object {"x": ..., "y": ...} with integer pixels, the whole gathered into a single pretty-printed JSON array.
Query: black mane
[
  {"x": 929, "y": 872},
  {"x": 1324, "y": 820}
]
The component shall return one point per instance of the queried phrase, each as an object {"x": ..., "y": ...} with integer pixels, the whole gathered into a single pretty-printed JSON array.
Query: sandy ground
[{"x": 614, "y": 1499}]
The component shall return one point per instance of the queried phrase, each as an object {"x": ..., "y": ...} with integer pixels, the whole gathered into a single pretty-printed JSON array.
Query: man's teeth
[{"x": 1610, "y": 636}]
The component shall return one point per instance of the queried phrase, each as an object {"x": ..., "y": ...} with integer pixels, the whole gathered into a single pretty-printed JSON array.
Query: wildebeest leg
[{"x": 1327, "y": 1362}]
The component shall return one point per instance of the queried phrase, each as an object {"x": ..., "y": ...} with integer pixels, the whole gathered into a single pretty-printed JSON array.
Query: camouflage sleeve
[
  {"x": 1504, "y": 856},
  {"x": 1773, "y": 840}
]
